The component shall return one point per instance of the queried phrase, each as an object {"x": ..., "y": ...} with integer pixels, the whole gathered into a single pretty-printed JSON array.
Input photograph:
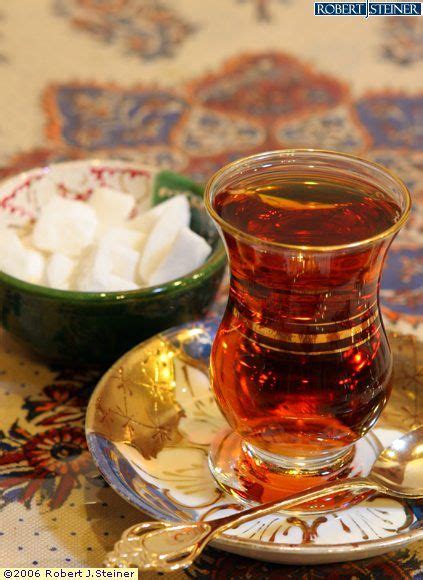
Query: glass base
[{"x": 253, "y": 476}]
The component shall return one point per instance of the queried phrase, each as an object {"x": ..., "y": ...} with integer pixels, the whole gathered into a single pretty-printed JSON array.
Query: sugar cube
[
  {"x": 126, "y": 236},
  {"x": 19, "y": 261},
  {"x": 171, "y": 220},
  {"x": 146, "y": 221},
  {"x": 65, "y": 226},
  {"x": 92, "y": 271},
  {"x": 188, "y": 252},
  {"x": 58, "y": 271},
  {"x": 107, "y": 267},
  {"x": 112, "y": 206},
  {"x": 123, "y": 260},
  {"x": 116, "y": 284}
]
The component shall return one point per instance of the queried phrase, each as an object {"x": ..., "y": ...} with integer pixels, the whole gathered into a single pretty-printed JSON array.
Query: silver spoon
[{"x": 168, "y": 546}]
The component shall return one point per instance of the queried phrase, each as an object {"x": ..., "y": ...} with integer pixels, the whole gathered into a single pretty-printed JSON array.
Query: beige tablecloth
[{"x": 187, "y": 85}]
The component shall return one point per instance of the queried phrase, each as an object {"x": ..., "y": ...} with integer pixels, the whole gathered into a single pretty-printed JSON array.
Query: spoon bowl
[{"x": 400, "y": 466}]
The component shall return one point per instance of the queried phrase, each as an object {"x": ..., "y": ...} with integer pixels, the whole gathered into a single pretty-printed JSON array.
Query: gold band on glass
[
  {"x": 322, "y": 352},
  {"x": 321, "y": 338}
]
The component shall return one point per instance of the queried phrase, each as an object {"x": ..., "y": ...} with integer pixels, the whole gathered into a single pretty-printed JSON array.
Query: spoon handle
[
  {"x": 356, "y": 485},
  {"x": 171, "y": 546}
]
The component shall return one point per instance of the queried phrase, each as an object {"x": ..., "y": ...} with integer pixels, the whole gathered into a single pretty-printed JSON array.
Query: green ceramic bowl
[{"x": 90, "y": 328}]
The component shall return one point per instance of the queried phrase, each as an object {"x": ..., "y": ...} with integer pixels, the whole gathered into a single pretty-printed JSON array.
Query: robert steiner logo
[{"x": 368, "y": 8}]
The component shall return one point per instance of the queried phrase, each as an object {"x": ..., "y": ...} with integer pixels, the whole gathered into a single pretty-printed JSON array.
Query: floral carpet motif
[
  {"x": 94, "y": 118},
  {"x": 146, "y": 29},
  {"x": 403, "y": 40},
  {"x": 237, "y": 567},
  {"x": 263, "y": 8},
  {"x": 46, "y": 460}
]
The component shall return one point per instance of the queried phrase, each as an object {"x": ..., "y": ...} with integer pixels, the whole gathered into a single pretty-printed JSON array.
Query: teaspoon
[{"x": 168, "y": 546}]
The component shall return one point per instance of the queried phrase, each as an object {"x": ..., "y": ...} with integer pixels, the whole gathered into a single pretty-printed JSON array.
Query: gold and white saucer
[{"x": 152, "y": 418}]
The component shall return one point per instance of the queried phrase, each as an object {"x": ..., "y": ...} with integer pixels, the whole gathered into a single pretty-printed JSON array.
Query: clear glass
[{"x": 301, "y": 366}]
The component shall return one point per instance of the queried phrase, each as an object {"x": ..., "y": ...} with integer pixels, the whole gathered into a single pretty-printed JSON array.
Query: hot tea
[
  {"x": 305, "y": 212},
  {"x": 300, "y": 365}
]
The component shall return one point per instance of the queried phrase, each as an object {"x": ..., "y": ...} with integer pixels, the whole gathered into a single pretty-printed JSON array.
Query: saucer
[{"x": 152, "y": 418}]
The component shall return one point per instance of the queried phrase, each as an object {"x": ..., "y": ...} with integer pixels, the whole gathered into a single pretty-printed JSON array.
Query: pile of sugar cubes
[{"x": 96, "y": 246}]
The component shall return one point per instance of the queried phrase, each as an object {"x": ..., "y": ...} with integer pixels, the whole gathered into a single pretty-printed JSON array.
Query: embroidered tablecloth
[{"x": 187, "y": 85}]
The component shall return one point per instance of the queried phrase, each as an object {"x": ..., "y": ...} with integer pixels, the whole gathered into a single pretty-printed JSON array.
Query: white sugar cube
[
  {"x": 112, "y": 206},
  {"x": 123, "y": 260},
  {"x": 59, "y": 269},
  {"x": 105, "y": 283},
  {"x": 104, "y": 266},
  {"x": 171, "y": 220},
  {"x": 108, "y": 283},
  {"x": 188, "y": 252},
  {"x": 146, "y": 221},
  {"x": 19, "y": 261},
  {"x": 116, "y": 284},
  {"x": 93, "y": 270},
  {"x": 124, "y": 236},
  {"x": 9, "y": 242},
  {"x": 34, "y": 265},
  {"x": 65, "y": 226}
]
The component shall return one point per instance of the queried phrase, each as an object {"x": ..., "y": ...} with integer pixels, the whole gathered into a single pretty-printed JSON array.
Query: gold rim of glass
[{"x": 208, "y": 195}]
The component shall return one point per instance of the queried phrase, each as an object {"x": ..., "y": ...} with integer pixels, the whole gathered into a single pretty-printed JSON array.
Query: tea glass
[{"x": 301, "y": 365}]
